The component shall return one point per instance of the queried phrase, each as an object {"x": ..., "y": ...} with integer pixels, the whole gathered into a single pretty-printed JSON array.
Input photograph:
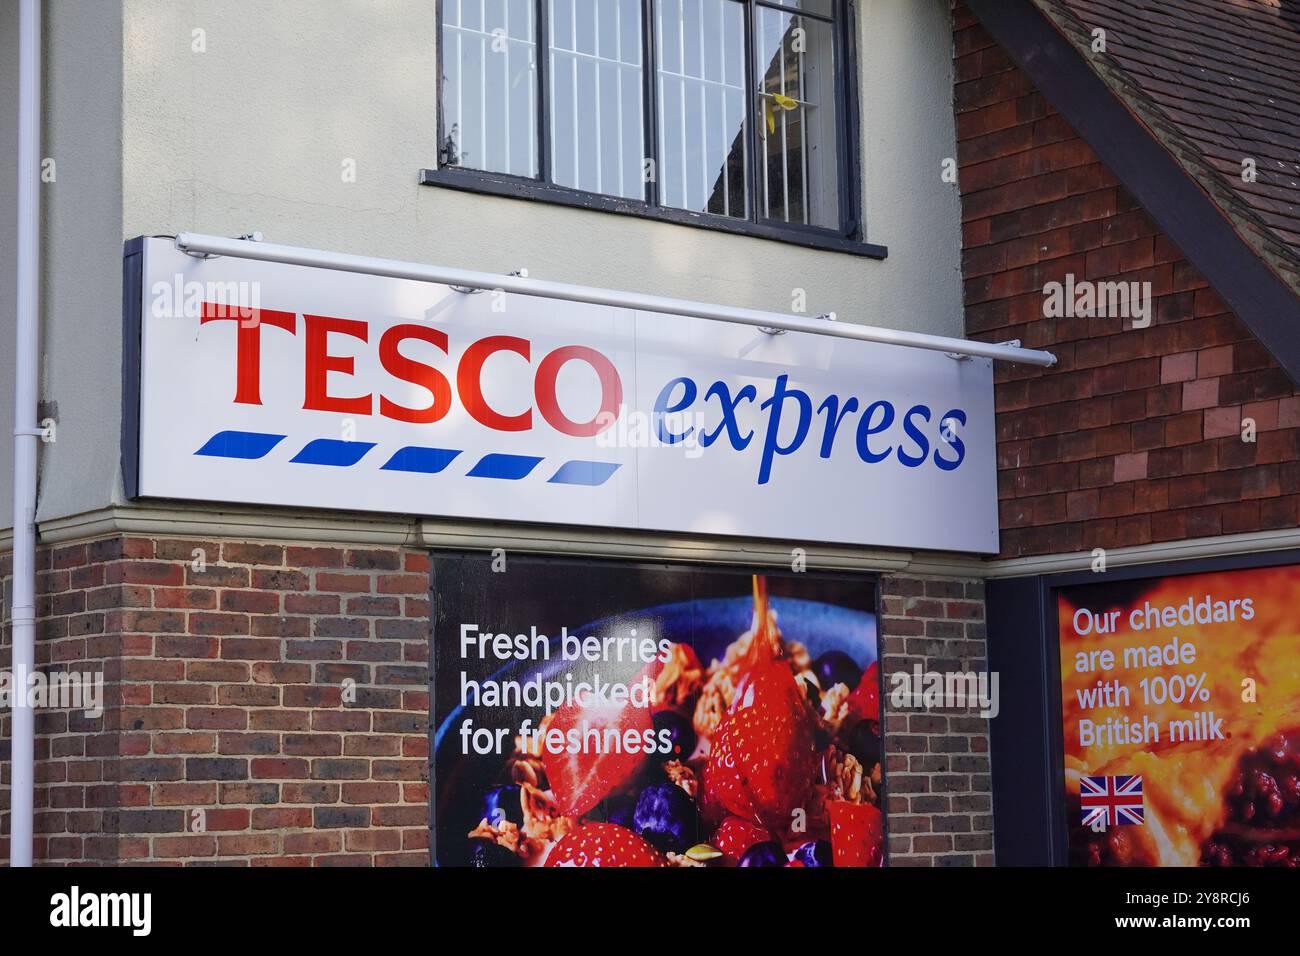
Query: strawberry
[
  {"x": 581, "y": 780},
  {"x": 864, "y": 700},
  {"x": 711, "y": 811},
  {"x": 734, "y": 836},
  {"x": 857, "y": 833},
  {"x": 764, "y": 753},
  {"x": 603, "y": 844}
]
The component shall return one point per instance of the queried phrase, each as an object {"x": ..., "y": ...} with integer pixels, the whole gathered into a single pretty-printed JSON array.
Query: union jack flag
[{"x": 1112, "y": 801}]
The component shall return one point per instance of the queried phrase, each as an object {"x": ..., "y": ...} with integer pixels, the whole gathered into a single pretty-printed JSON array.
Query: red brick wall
[
  {"x": 225, "y": 693},
  {"x": 938, "y": 784},
  {"x": 1135, "y": 436}
]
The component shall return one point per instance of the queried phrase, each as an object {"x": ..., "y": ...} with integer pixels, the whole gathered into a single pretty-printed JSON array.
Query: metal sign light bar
[{"x": 202, "y": 246}]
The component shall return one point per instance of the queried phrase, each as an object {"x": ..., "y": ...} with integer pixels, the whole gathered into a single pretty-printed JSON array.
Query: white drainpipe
[{"x": 26, "y": 432}]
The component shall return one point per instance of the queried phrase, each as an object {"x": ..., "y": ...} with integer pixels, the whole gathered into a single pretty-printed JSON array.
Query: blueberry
[
  {"x": 764, "y": 854},
  {"x": 815, "y": 853},
  {"x": 666, "y": 817},
  {"x": 864, "y": 743},
  {"x": 680, "y": 732},
  {"x": 485, "y": 853},
  {"x": 619, "y": 810},
  {"x": 501, "y": 805},
  {"x": 836, "y": 667}
]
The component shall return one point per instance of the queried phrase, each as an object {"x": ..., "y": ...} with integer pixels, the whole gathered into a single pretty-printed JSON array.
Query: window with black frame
[{"x": 730, "y": 110}]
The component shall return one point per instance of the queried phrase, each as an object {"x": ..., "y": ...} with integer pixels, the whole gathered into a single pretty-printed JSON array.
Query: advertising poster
[
  {"x": 1181, "y": 707},
  {"x": 618, "y": 714}
]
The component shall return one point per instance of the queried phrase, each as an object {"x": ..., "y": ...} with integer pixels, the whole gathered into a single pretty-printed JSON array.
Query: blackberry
[{"x": 1263, "y": 799}]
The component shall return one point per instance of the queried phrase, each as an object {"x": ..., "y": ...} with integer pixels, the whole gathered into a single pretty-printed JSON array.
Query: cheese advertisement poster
[{"x": 1180, "y": 705}]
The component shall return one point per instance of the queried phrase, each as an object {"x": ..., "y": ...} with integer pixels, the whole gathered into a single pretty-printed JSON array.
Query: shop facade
[
  {"x": 286, "y": 660},
  {"x": 266, "y": 663},
  {"x": 1143, "y": 597}
]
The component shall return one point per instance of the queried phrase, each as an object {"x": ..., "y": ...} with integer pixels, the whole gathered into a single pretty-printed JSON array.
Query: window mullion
[
  {"x": 751, "y": 106},
  {"x": 846, "y": 70},
  {"x": 441, "y": 63},
  {"x": 542, "y": 46},
  {"x": 650, "y": 88}
]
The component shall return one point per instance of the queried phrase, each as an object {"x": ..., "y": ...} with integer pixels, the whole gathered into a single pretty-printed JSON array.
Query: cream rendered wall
[
  {"x": 81, "y": 238},
  {"x": 239, "y": 114}
]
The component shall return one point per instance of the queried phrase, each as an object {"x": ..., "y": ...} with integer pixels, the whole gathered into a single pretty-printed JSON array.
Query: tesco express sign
[{"x": 285, "y": 385}]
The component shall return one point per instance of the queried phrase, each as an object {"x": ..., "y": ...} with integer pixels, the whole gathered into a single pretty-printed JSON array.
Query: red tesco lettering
[{"x": 324, "y": 366}]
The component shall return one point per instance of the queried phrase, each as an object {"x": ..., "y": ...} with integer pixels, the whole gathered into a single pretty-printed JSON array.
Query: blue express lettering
[{"x": 877, "y": 430}]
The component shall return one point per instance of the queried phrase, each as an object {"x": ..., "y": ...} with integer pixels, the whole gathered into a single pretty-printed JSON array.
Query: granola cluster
[
  {"x": 835, "y": 708},
  {"x": 715, "y": 700},
  {"x": 542, "y": 818},
  {"x": 680, "y": 680},
  {"x": 847, "y": 779},
  {"x": 681, "y": 859},
  {"x": 682, "y": 775},
  {"x": 508, "y": 835},
  {"x": 524, "y": 765}
]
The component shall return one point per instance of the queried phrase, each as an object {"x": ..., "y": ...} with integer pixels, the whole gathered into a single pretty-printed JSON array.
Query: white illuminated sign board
[{"x": 276, "y": 384}]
